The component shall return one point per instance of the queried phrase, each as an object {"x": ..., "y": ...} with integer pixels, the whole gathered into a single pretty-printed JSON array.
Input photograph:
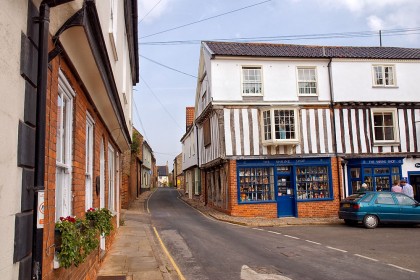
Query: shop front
[
  {"x": 377, "y": 173},
  {"x": 285, "y": 182}
]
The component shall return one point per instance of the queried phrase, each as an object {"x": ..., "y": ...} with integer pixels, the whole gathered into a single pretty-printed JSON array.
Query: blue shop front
[
  {"x": 285, "y": 182},
  {"x": 377, "y": 173}
]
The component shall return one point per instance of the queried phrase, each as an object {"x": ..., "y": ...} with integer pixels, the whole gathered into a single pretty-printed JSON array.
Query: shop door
[
  {"x": 286, "y": 204},
  {"x": 414, "y": 180}
]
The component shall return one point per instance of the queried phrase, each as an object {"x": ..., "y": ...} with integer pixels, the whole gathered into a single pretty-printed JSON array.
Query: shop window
[
  {"x": 385, "y": 126},
  {"x": 280, "y": 126},
  {"x": 256, "y": 184},
  {"x": 312, "y": 182}
]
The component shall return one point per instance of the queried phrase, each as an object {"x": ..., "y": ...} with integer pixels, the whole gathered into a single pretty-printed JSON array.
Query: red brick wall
[
  {"x": 189, "y": 116},
  {"x": 81, "y": 104}
]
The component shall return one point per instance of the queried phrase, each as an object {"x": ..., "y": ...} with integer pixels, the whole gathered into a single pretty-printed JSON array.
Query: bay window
[{"x": 280, "y": 126}]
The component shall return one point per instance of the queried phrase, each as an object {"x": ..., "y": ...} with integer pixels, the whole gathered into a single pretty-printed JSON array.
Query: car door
[
  {"x": 409, "y": 209},
  {"x": 386, "y": 207}
]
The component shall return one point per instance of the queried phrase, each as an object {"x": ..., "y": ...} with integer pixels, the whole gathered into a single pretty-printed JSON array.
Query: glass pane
[
  {"x": 389, "y": 133},
  {"x": 383, "y": 170},
  {"x": 355, "y": 172},
  {"x": 379, "y": 133},
  {"x": 59, "y": 129},
  {"x": 395, "y": 170},
  {"x": 382, "y": 183}
]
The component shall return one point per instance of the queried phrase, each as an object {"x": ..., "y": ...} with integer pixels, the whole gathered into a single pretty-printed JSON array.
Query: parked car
[{"x": 372, "y": 208}]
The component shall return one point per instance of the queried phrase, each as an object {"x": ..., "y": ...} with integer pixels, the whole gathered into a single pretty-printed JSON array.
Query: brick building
[
  {"x": 289, "y": 130},
  {"x": 74, "y": 65}
]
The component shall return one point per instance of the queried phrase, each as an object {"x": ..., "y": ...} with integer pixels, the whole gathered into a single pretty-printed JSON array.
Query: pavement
[{"x": 137, "y": 253}]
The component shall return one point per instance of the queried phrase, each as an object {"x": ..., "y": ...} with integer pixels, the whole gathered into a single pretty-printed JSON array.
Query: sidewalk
[
  {"x": 135, "y": 253},
  {"x": 258, "y": 221}
]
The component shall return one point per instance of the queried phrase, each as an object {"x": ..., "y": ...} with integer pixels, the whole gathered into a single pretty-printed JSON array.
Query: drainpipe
[
  {"x": 333, "y": 126},
  {"x": 41, "y": 104}
]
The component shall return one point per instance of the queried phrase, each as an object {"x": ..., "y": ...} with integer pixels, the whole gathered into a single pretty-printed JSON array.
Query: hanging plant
[{"x": 101, "y": 220}]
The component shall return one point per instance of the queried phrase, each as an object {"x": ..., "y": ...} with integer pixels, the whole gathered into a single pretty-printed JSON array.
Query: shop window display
[{"x": 256, "y": 184}]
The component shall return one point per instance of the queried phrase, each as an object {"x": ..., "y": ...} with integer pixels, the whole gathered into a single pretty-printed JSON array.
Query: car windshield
[{"x": 354, "y": 197}]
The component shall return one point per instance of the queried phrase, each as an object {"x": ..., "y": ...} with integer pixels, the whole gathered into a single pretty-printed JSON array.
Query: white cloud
[
  {"x": 375, "y": 23},
  {"x": 145, "y": 6}
]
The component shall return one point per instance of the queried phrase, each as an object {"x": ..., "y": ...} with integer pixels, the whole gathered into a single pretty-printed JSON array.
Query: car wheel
[
  {"x": 350, "y": 222},
  {"x": 370, "y": 221}
]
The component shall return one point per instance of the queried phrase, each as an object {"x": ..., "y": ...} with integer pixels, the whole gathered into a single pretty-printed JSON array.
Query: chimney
[{"x": 189, "y": 117}]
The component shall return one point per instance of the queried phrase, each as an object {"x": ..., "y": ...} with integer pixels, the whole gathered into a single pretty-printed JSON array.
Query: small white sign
[{"x": 40, "y": 210}]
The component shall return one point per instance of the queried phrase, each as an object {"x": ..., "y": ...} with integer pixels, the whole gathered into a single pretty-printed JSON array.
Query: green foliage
[
  {"x": 79, "y": 237},
  {"x": 135, "y": 144}
]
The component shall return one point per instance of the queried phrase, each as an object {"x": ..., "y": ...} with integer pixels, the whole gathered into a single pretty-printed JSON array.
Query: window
[
  {"x": 206, "y": 132},
  {"x": 89, "y": 162},
  {"x": 307, "y": 81},
  {"x": 251, "y": 81},
  {"x": 197, "y": 187},
  {"x": 256, "y": 184},
  {"x": 113, "y": 26},
  {"x": 111, "y": 179},
  {"x": 385, "y": 126},
  {"x": 280, "y": 126},
  {"x": 64, "y": 144},
  {"x": 385, "y": 198},
  {"x": 312, "y": 182},
  {"x": 404, "y": 200},
  {"x": 384, "y": 75}
]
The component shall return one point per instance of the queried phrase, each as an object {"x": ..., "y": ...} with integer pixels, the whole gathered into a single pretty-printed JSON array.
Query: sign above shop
[{"x": 417, "y": 165}]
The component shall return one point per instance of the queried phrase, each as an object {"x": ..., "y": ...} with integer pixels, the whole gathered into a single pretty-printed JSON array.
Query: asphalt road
[{"x": 207, "y": 249}]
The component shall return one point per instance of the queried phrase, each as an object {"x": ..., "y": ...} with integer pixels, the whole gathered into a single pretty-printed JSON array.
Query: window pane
[
  {"x": 59, "y": 129},
  {"x": 379, "y": 134}
]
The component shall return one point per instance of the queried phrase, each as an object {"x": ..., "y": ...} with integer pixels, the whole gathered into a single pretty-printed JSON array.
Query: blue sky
[{"x": 162, "y": 94}]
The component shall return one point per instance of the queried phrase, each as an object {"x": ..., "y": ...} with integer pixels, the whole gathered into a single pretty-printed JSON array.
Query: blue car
[{"x": 372, "y": 208}]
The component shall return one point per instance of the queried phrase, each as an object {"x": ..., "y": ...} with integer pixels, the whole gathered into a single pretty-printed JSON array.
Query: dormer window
[
  {"x": 280, "y": 126},
  {"x": 251, "y": 81}
]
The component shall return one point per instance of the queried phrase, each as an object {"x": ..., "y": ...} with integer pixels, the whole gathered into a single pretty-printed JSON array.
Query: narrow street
[{"x": 208, "y": 249}]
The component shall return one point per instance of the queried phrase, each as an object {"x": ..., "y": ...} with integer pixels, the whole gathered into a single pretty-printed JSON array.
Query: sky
[{"x": 170, "y": 32}]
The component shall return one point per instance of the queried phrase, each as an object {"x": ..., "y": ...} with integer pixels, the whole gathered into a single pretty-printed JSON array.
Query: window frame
[
  {"x": 207, "y": 132},
  {"x": 89, "y": 153},
  {"x": 273, "y": 140},
  {"x": 111, "y": 179},
  {"x": 384, "y": 85},
  {"x": 255, "y": 184},
  {"x": 314, "y": 68},
  {"x": 395, "y": 126},
  {"x": 254, "y": 67},
  {"x": 63, "y": 193},
  {"x": 113, "y": 26}
]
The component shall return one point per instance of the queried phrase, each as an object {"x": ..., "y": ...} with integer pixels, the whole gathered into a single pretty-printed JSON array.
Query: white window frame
[
  {"x": 89, "y": 161},
  {"x": 395, "y": 125},
  {"x": 382, "y": 67},
  {"x": 63, "y": 187},
  {"x": 113, "y": 26},
  {"x": 111, "y": 179},
  {"x": 272, "y": 125},
  {"x": 299, "y": 80},
  {"x": 243, "y": 81}
]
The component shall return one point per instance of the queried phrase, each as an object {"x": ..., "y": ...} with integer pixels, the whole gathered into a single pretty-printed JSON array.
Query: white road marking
[
  {"x": 258, "y": 229},
  {"x": 332, "y": 248},
  {"x": 294, "y": 237},
  {"x": 361, "y": 256},
  {"x": 402, "y": 268},
  {"x": 313, "y": 242},
  {"x": 273, "y": 232},
  {"x": 248, "y": 273}
]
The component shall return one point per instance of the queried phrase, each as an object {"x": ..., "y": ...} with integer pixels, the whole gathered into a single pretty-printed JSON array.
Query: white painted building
[
  {"x": 271, "y": 118},
  {"x": 146, "y": 168}
]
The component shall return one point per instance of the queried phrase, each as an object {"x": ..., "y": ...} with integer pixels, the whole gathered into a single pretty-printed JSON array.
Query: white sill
[
  {"x": 376, "y": 144},
  {"x": 280, "y": 143},
  {"x": 254, "y": 94},
  {"x": 379, "y": 86}
]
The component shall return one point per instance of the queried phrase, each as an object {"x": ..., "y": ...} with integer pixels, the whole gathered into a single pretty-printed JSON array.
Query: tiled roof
[{"x": 304, "y": 51}]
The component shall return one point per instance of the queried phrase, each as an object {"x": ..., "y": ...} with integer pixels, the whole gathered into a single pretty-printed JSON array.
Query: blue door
[{"x": 286, "y": 202}]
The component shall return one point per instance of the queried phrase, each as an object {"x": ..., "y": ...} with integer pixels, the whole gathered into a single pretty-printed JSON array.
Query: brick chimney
[{"x": 189, "y": 117}]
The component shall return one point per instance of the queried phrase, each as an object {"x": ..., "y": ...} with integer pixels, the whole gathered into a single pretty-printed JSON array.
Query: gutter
[
  {"x": 41, "y": 108},
  {"x": 334, "y": 126}
]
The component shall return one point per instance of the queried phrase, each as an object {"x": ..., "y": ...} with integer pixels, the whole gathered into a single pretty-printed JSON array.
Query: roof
[
  {"x": 162, "y": 170},
  {"x": 306, "y": 51}
]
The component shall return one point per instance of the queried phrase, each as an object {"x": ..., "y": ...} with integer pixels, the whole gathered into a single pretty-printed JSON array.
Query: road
[{"x": 204, "y": 248}]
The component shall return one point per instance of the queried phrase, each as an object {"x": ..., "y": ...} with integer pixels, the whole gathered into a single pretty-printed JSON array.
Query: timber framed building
[{"x": 289, "y": 130}]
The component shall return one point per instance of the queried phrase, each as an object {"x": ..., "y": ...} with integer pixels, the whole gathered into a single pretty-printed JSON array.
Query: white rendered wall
[
  {"x": 13, "y": 17},
  {"x": 189, "y": 150},
  {"x": 147, "y": 158},
  {"x": 353, "y": 81},
  {"x": 279, "y": 79}
]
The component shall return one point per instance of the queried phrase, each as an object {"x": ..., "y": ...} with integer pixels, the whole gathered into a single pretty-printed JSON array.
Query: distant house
[
  {"x": 163, "y": 176},
  {"x": 146, "y": 169}
]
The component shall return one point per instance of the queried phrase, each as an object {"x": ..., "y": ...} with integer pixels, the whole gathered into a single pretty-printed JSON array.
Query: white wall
[
  {"x": 279, "y": 79},
  {"x": 147, "y": 157},
  {"x": 189, "y": 150},
  {"x": 352, "y": 81},
  {"x": 13, "y": 17}
]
